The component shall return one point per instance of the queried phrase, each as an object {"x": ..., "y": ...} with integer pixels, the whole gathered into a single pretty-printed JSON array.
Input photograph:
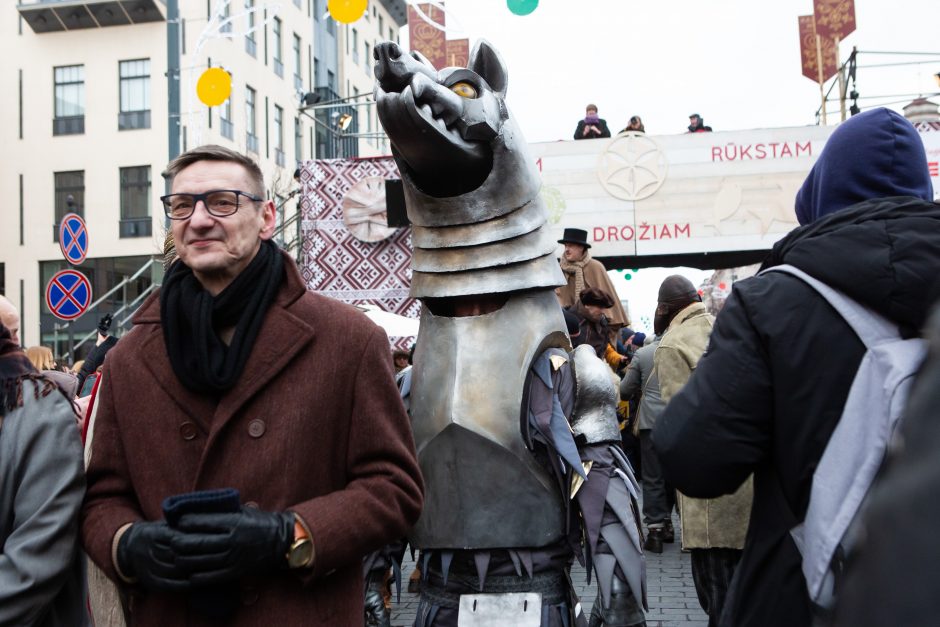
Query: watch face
[
  {"x": 300, "y": 553},
  {"x": 364, "y": 212}
]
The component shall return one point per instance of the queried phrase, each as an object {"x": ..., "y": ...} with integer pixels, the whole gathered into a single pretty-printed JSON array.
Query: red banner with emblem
[
  {"x": 808, "y": 51},
  {"x": 425, "y": 37},
  {"x": 458, "y": 52},
  {"x": 835, "y": 19}
]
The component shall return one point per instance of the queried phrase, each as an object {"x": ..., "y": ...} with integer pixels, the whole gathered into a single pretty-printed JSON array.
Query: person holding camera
[{"x": 591, "y": 127}]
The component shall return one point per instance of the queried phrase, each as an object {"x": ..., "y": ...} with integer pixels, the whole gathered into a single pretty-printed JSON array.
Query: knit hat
[
  {"x": 639, "y": 339},
  {"x": 677, "y": 288},
  {"x": 597, "y": 297}
]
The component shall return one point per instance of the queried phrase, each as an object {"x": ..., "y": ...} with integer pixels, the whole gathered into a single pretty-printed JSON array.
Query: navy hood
[{"x": 876, "y": 154}]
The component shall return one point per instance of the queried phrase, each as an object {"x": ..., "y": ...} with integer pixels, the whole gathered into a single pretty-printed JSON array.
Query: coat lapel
[
  {"x": 283, "y": 335},
  {"x": 196, "y": 406}
]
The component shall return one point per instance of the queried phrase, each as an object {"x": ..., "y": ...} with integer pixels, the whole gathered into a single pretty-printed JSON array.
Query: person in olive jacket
[{"x": 770, "y": 389}]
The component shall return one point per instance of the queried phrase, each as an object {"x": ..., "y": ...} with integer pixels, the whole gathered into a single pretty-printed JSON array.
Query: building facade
[{"x": 86, "y": 131}]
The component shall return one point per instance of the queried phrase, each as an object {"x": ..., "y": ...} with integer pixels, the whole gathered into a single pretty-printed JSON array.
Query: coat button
[
  {"x": 252, "y": 505},
  {"x": 256, "y": 428},
  {"x": 188, "y": 430}
]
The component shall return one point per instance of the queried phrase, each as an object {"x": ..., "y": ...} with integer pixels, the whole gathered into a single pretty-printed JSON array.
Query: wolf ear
[{"x": 485, "y": 61}]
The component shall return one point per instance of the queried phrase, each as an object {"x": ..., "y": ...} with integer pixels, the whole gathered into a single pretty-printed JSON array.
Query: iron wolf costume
[{"x": 517, "y": 436}]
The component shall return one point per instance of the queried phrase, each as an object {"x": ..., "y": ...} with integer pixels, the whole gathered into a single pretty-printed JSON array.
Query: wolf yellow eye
[{"x": 464, "y": 90}]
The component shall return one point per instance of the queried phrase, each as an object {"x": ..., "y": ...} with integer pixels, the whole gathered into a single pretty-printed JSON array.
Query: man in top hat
[{"x": 583, "y": 272}]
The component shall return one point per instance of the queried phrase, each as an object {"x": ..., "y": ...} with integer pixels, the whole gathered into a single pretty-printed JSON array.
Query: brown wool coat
[
  {"x": 595, "y": 275},
  {"x": 315, "y": 425}
]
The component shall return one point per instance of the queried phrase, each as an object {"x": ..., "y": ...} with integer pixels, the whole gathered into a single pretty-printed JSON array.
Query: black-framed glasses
[{"x": 219, "y": 203}]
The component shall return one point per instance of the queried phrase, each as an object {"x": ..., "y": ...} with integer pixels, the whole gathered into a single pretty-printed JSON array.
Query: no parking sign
[
  {"x": 73, "y": 238},
  {"x": 68, "y": 294}
]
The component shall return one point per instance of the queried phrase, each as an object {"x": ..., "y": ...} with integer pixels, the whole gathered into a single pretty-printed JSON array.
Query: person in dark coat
[
  {"x": 697, "y": 124},
  {"x": 591, "y": 127},
  {"x": 96, "y": 355},
  {"x": 770, "y": 389}
]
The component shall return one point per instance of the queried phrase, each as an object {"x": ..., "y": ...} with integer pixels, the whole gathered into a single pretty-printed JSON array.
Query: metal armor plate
[
  {"x": 484, "y": 489},
  {"x": 595, "y": 407}
]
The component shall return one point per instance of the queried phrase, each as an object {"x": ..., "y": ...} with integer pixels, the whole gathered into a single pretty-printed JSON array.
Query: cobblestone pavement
[{"x": 670, "y": 591}]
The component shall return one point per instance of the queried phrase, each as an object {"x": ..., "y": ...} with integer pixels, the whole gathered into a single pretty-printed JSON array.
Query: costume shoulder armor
[{"x": 595, "y": 404}]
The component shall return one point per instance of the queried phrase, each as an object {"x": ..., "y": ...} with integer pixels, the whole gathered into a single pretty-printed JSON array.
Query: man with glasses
[{"x": 282, "y": 473}]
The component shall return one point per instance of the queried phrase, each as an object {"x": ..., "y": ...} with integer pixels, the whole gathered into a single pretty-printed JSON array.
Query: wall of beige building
[{"x": 32, "y": 154}]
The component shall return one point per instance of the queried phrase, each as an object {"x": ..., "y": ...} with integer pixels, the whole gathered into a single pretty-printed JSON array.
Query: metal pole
[
  {"x": 819, "y": 66},
  {"x": 841, "y": 83},
  {"x": 173, "y": 78}
]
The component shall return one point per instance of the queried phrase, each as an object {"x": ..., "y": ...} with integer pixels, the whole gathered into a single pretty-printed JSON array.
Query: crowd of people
[
  {"x": 594, "y": 127},
  {"x": 221, "y": 383}
]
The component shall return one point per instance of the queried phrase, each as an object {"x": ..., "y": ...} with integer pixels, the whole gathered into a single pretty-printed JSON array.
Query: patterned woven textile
[{"x": 337, "y": 264}]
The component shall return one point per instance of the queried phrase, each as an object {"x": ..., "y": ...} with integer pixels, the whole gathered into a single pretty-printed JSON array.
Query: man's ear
[
  {"x": 485, "y": 61},
  {"x": 268, "y": 212}
]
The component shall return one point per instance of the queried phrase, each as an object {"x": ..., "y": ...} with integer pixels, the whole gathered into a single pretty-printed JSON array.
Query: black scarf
[
  {"x": 14, "y": 369},
  {"x": 191, "y": 318}
]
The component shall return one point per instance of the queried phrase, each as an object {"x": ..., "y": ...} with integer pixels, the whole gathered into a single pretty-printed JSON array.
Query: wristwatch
[{"x": 300, "y": 554}]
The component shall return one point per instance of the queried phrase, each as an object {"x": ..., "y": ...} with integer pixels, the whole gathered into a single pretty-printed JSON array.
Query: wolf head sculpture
[{"x": 471, "y": 187}]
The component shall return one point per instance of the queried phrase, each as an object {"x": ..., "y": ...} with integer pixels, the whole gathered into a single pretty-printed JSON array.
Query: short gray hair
[{"x": 214, "y": 152}]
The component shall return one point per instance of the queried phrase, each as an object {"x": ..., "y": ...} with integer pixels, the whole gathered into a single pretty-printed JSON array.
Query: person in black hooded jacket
[{"x": 770, "y": 389}]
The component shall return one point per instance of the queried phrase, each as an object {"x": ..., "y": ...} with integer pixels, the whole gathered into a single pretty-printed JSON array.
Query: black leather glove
[
  {"x": 215, "y": 548},
  {"x": 144, "y": 552}
]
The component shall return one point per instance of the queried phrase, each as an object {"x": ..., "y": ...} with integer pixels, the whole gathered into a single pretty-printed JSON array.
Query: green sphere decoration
[{"x": 522, "y": 7}]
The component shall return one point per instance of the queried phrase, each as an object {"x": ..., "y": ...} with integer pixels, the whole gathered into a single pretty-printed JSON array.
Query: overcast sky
[{"x": 736, "y": 62}]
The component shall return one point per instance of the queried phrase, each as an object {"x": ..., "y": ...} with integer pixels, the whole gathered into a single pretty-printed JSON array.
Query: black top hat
[{"x": 575, "y": 236}]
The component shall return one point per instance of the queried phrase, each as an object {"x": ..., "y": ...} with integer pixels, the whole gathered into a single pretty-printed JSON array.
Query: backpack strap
[{"x": 855, "y": 450}]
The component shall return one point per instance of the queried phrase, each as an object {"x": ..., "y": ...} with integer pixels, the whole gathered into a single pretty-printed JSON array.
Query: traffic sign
[
  {"x": 68, "y": 294},
  {"x": 73, "y": 238}
]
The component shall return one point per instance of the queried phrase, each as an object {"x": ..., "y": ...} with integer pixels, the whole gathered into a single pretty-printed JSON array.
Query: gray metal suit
[{"x": 487, "y": 490}]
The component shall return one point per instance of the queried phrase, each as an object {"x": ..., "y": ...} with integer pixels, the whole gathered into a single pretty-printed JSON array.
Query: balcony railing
[
  {"x": 298, "y": 82},
  {"x": 228, "y": 129},
  {"x": 129, "y": 120},
  {"x": 72, "y": 125},
  {"x": 279, "y": 68},
  {"x": 252, "y": 142},
  {"x": 279, "y": 157},
  {"x": 251, "y": 47}
]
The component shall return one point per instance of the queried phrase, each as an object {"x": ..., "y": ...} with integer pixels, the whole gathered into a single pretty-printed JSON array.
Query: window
[
  {"x": 225, "y": 114},
  {"x": 355, "y": 46},
  {"x": 381, "y": 25},
  {"x": 316, "y": 72},
  {"x": 251, "y": 46},
  {"x": 278, "y": 65},
  {"x": 69, "y": 100},
  {"x": 69, "y": 196},
  {"x": 226, "y": 26},
  {"x": 298, "y": 64},
  {"x": 331, "y": 80},
  {"x": 298, "y": 141},
  {"x": 391, "y": 34},
  {"x": 279, "y": 135},
  {"x": 367, "y": 66},
  {"x": 135, "y": 202},
  {"x": 135, "y": 94},
  {"x": 251, "y": 128}
]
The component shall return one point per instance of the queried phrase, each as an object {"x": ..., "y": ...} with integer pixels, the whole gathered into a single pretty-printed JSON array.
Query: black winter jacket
[{"x": 766, "y": 396}]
